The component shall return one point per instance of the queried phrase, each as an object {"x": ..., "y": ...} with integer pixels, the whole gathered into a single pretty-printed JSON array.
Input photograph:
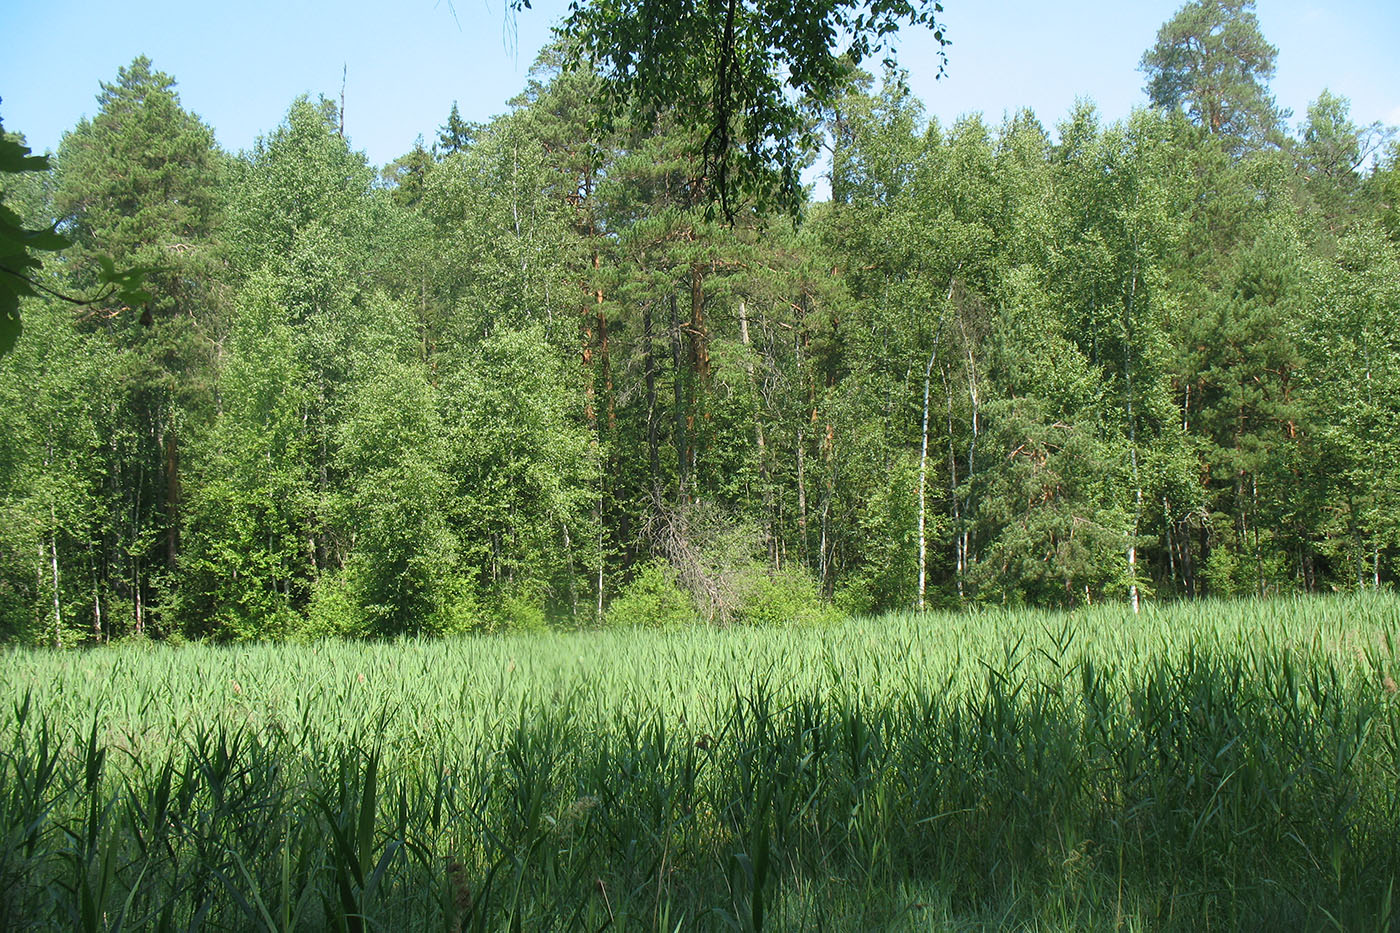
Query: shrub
[
  {"x": 522, "y": 611},
  {"x": 462, "y": 611},
  {"x": 653, "y": 598},
  {"x": 782, "y": 597},
  {"x": 334, "y": 611}
]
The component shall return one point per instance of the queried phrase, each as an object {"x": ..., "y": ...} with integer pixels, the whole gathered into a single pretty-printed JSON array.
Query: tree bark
[
  {"x": 649, "y": 363},
  {"x": 137, "y": 604},
  {"x": 759, "y": 439},
  {"x": 801, "y": 497},
  {"x": 172, "y": 498},
  {"x": 974, "y": 397},
  {"x": 57, "y": 609},
  {"x": 1132, "y": 441},
  {"x": 603, "y": 359},
  {"x": 96, "y": 603},
  {"x": 682, "y": 447},
  {"x": 923, "y": 482},
  {"x": 959, "y": 540},
  {"x": 700, "y": 364}
]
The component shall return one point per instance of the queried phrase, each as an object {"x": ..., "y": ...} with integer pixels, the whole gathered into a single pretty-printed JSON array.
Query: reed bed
[{"x": 1209, "y": 766}]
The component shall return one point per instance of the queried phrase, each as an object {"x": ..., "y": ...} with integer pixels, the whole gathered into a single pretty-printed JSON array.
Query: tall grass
[{"x": 1217, "y": 766}]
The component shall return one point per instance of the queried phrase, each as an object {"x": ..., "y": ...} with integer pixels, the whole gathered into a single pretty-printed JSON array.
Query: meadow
[{"x": 1213, "y": 766}]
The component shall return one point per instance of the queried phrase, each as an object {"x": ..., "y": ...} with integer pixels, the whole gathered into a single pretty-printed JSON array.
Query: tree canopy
[
  {"x": 754, "y": 74},
  {"x": 1212, "y": 62}
]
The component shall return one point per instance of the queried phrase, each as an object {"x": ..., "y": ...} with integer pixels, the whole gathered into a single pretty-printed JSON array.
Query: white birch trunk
[
  {"x": 758, "y": 436},
  {"x": 923, "y": 464},
  {"x": 57, "y": 611},
  {"x": 599, "y": 616},
  {"x": 923, "y": 486},
  {"x": 1133, "y": 594},
  {"x": 974, "y": 398}
]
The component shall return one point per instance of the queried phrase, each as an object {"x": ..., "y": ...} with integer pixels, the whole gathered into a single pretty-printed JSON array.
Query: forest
[{"x": 532, "y": 373}]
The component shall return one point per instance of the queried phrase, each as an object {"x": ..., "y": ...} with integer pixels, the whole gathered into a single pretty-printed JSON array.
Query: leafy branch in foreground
[{"x": 19, "y": 264}]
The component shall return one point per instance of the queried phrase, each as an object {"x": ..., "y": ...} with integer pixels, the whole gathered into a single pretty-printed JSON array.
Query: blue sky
[{"x": 239, "y": 65}]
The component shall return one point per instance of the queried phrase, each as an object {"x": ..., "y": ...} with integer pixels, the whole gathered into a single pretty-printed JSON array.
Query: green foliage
[
  {"x": 1212, "y": 62},
  {"x": 520, "y": 611},
  {"x": 333, "y": 611},
  {"x": 503, "y": 233},
  {"x": 1351, "y": 341},
  {"x": 390, "y": 445},
  {"x": 301, "y": 181},
  {"x": 1384, "y": 181},
  {"x": 784, "y": 597},
  {"x": 520, "y": 469},
  {"x": 456, "y": 135},
  {"x": 1054, "y": 530},
  {"x": 18, "y": 244},
  {"x": 406, "y": 176},
  {"x": 485, "y": 387},
  {"x": 251, "y": 505},
  {"x": 1332, "y": 152},
  {"x": 51, "y": 387},
  {"x": 138, "y": 185},
  {"x": 653, "y": 598},
  {"x": 751, "y": 74}
]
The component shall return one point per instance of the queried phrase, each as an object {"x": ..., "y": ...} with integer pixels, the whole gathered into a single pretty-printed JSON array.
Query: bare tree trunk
[
  {"x": 959, "y": 540},
  {"x": 649, "y": 358},
  {"x": 1132, "y": 444},
  {"x": 586, "y": 361},
  {"x": 140, "y": 609},
  {"x": 1258, "y": 552},
  {"x": 603, "y": 349},
  {"x": 586, "y": 226},
  {"x": 340, "y": 112},
  {"x": 323, "y": 541},
  {"x": 801, "y": 498},
  {"x": 598, "y": 615},
  {"x": 1358, "y": 555},
  {"x": 1167, "y": 529},
  {"x": 602, "y": 320},
  {"x": 423, "y": 325},
  {"x": 172, "y": 497},
  {"x": 569, "y": 563},
  {"x": 975, "y": 398},
  {"x": 923, "y": 485},
  {"x": 759, "y": 439},
  {"x": 96, "y": 604},
  {"x": 828, "y": 553},
  {"x": 1188, "y": 563},
  {"x": 698, "y": 332},
  {"x": 923, "y": 460},
  {"x": 53, "y": 564},
  {"x": 682, "y": 448},
  {"x": 136, "y": 559}
]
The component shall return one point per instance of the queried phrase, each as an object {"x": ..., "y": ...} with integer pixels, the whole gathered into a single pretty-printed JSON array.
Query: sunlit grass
[{"x": 1212, "y": 766}]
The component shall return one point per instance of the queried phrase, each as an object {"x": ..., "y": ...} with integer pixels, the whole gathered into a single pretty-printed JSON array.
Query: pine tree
[
  {"x": 140, "y": 185},
  {"x": 456, "y": 135},
  {"x": 407, "y": 175},
  {"x": 1212, "y": 62}
]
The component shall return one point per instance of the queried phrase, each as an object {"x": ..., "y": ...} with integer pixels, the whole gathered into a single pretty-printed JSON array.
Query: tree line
[{"x": 529, "y": 373}]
